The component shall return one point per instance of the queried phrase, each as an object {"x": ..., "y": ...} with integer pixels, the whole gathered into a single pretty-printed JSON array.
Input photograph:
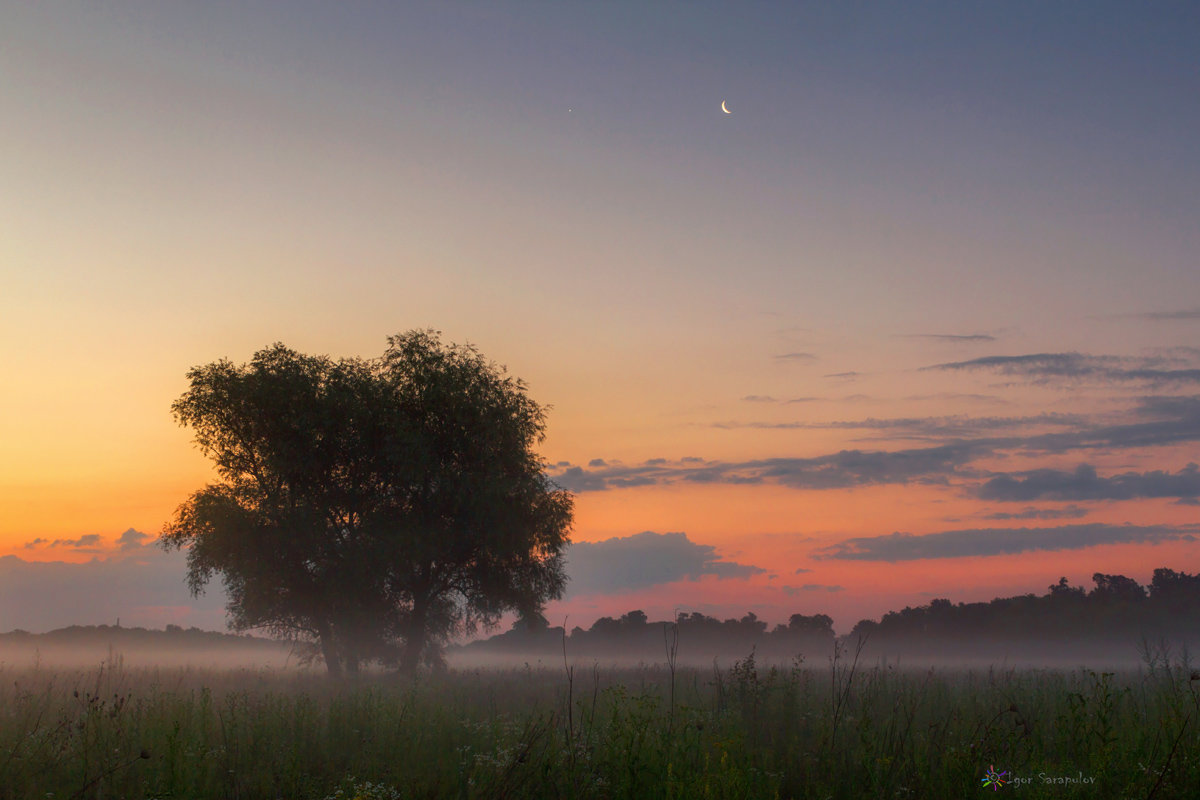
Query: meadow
[{"x": 838, "y": 729}]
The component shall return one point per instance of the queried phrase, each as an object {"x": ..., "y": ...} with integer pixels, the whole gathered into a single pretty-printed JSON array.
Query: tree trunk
[
  {"x": 414, "y": 641},
  {"x": 410, "y": 659},
  {"x": 333, "y": 661}
]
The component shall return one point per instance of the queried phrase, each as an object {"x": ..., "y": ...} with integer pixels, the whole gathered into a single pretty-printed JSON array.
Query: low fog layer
[
  {"x": 1114, "y": 653},
  {"x": 84, "y": 647},
  {"x": 1117, "y": 624},
  {"x": 87, "y": 647}
]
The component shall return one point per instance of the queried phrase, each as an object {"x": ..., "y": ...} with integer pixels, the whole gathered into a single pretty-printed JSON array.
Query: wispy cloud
[
  {"x": 1084, "y": 483},
  {"x": 89, "y": 541},
  {"x": 765, "y": 398},
  {"x": 1154, "y": 421},
  {"x": 844, "y": 469},
  {"x": 1029, "y": 512},
  {"x": 132, "y": 540},
  {"x": 577, "y": 479},
  {"x": 1163, "y": 420},
  {"x": 946, "y": 427},
  {"x": 1000, "y": 541},
  {"x": 955, "y": 338},
  {"x": 643, "y": 560},
  {"x": 1047, "y": 367},
  {"x": 959, "y": 397},
  {"x": 804, "y": 357},
  {"x": 812, "y": 587},
  {"x": 1183, "y": 314}
]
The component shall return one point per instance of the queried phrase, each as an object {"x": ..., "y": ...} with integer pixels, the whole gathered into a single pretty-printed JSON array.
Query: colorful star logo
[{"x": 994, "y": 779}]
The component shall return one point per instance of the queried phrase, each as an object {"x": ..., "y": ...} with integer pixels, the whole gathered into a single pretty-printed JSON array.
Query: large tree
[{"x": 375, "y": 507}]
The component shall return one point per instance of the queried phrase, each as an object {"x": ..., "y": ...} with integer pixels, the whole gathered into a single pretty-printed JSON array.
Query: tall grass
[{"x": 836, "y": 730}]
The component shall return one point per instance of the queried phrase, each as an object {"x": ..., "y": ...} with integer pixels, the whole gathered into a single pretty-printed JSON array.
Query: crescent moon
[{"x": 723, "y": 108}]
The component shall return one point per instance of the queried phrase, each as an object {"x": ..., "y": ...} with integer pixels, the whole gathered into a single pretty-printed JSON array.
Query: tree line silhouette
[{"x": 1117, "y": 608}]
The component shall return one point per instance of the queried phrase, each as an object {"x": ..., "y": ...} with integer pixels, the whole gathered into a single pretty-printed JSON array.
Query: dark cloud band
[
  {"x": 646, "y": 559},
  {"x": 1155, "y": 421},
  {"x": 1048, "y": 367},
  {"x": 844, "y": 469},
  {"x": 1000, "y": 541},
  {"x": 1084, "y": 483}
]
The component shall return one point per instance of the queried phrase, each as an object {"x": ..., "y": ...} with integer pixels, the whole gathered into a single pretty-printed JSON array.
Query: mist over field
[
  {"x": 87, "y": 647},
  {"x": 1117, "y": 653}
]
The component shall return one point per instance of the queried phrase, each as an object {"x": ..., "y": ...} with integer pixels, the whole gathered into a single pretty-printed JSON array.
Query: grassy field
[{"x": 840, "y": 729}]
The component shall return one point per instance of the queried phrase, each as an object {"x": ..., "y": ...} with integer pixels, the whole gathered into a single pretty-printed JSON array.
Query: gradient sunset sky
[{"x": 919, "y": 318}]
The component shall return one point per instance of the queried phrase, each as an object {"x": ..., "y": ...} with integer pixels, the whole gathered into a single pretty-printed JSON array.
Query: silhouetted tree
[
  {"x": 1116, "y": 588},
  {"x": 634, "y": 619},
  {"x": 750, "y": 624},
  {"x": 1063, "y": 592},
  {"x": 375, "y": 507},
  {"x": 818, "y": 623},
  {"x": 1170, "y": 586},
  {"x": 605, "y": 628}
]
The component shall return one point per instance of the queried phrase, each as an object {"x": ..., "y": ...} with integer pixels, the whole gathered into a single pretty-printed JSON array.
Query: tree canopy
[{"x": 375, "y": 507}]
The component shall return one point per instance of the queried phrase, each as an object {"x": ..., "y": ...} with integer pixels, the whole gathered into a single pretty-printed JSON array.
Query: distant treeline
[
  {"x": 173, "y": 637},
  {"x": 1117, "y": 609},
  {"x": 693, "y": 636}
]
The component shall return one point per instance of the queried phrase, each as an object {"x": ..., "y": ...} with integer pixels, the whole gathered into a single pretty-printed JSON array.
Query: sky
[{"x": 918, "y": 318}]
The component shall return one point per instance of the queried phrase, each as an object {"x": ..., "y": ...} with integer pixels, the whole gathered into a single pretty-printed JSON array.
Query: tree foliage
[
  {"x": 375, "y": 507},
  {"x": 1118, "y": 606}
]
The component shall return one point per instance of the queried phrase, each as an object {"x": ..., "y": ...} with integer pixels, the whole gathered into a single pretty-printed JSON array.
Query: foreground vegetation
[{"x": 835, "y": 730}]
